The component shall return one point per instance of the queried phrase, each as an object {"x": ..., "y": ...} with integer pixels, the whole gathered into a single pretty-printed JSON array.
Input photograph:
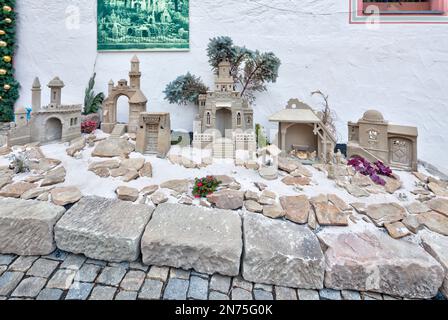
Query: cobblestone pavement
[{"x": 64, "y": 276}]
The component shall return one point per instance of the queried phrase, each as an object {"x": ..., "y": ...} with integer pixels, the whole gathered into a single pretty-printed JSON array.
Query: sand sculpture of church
[
  {"x": 225, "y": 122},
  {"x": 49, "y": 123},
  {"x": 137, "y": 100}
]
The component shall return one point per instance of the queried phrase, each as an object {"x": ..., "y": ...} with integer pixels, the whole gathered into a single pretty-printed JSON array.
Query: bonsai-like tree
[
  {"x": 92, "y": 101},
  {"x": 185, "y": 89},
  {"x": 251, "y": 71}
]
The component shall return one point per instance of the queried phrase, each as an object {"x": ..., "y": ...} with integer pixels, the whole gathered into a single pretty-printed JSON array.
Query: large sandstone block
[
  {"x": 370, "y": 260},
  {"x": 437, "y": 246},
  {"x": 208, "y": 241},
  {"x": 103, "y": 229},
  {"x": 281, "y": 253},
  {"x": 26, "y": 227}
]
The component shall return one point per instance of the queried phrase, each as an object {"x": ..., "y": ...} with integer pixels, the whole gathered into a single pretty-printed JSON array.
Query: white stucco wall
[{"x": 401, "y": 70}]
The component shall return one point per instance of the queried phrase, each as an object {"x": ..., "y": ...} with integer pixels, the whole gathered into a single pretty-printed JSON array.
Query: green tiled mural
[{"x": 143, "y": 25}]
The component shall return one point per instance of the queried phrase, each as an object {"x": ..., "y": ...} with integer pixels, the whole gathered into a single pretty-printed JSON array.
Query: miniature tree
[
  {"x": 251, "y": 71},
  {"x": 92, "y": 101},
  {"x": 327, "y": 115},
  {"x": 185, "y": 89}
]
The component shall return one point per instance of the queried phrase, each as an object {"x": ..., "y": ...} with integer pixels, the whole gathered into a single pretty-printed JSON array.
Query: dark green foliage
[
  {"x": 92, "y": 101},
  {"x": 185, "y": 89},
  {"x": 8, "y": 96}
]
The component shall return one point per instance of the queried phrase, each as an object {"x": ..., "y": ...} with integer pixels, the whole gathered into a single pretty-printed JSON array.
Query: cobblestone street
[{"x": 63, "y": 276}]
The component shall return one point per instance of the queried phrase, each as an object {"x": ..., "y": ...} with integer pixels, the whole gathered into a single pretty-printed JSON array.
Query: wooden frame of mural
[{"x": 140, "y": 25}]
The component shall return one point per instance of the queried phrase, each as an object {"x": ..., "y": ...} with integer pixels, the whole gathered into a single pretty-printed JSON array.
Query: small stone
[
  {"x": 263, "y": 295},
  {"x": 65, "y": 196},
  {"x": 330, "y": 215},
  {"x": 438, "y": 190},
  {"x": 308, "y": 294},
  {"x": 102, "y": 172},
  {"x": 43, "y": 268},
  {"x": 198, "y": 289},
  {"x": 301, "y": 171},
  {"x": 126, "y": 296},
  {"x": 133, "y": 281},
  {"x": 434, "y": 221},
  {"x": 330, "y": 294},
  {"x": 227, "y": 199},
  {"x": 149, "y": 190},
  {"x": 133, "y": 164},
  {"x": 356, "y": 191},
  {"x": 130, "y": 175},
  {"x": 88, "y": 273},
  {"x": 283, "y": 293},
  {"x": 392, "y": 184},
  {"x": 158, "y": 198},
  {"x": 103, "y": 293},
  {"x": 266, "y": 201},
  {"x": 35, "y": 192},
  {"x": 241, "y": 294},
  {"x": 158, "y": 273},
  {"x": 54, "y": 177},
  {"x": 417, "y": 208},
  {"x": 57, "y": 255},
  {"x": 62, "y": 279},
  {"x": 260, "y": 186},
  {"x": 151, "y": 290},
  {"x": 180, "y": 186},
  {"x": 292, "y": 181},
  {"x": 176, "y": 289},
  {"x": 297, "y": 208},
  {"x": 397, "y": 230},
  {"x": 420, "y": 176},
  {"x": 146, "y": 170},
  {"x": 49, "y": 294},
  {"x": 16, "y": 190},
  {"x": 338, "y": 202},
  {"x": 43, "y": 197},
  {"x": 29, "y": 287},
  {"x": 287, "y": 165},
  {"x": 186, "y": 201},
  {"x": 110, "y": 148},
  {"x": 127, "y": 194},
  {"x": 350, "y": 295},
  {"x": 220, "y": 283},
  {"x": 437, "y": 246},
  {"x": 253, "y": 206},
  {"x": 79, "y": 291},
  {"x": 412, "y": 223},
  {"x": 108, "y": 164},
  {"x": 8, "y": 281},
  {"x": 218, "y": 296},
  {"x": 250, "y": 195},
  {"x": 439, "y": 205},
  {"x": 359, "y": 207},
  {"x": 274, "y": 212},
  {"x": 119, "y": 172},
  {"x": 385, "y": 213},
  {"x": 111, "y": 276}
]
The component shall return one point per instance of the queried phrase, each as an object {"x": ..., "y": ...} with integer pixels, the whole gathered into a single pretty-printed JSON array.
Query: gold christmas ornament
[
  {"x": 2, "y": 32},
  {"x": 7, "y": 8},
  {"x": 2, "y": 72},
  {"x": 7, "y": 20},
  {"x": 7, "y": 59},
  {"x": 3, "y": 44},
  {"x": 6, "y": 87}
]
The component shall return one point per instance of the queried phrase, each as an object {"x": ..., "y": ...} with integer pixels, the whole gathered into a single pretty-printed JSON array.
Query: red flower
[{"x": 200, "y": 184}]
